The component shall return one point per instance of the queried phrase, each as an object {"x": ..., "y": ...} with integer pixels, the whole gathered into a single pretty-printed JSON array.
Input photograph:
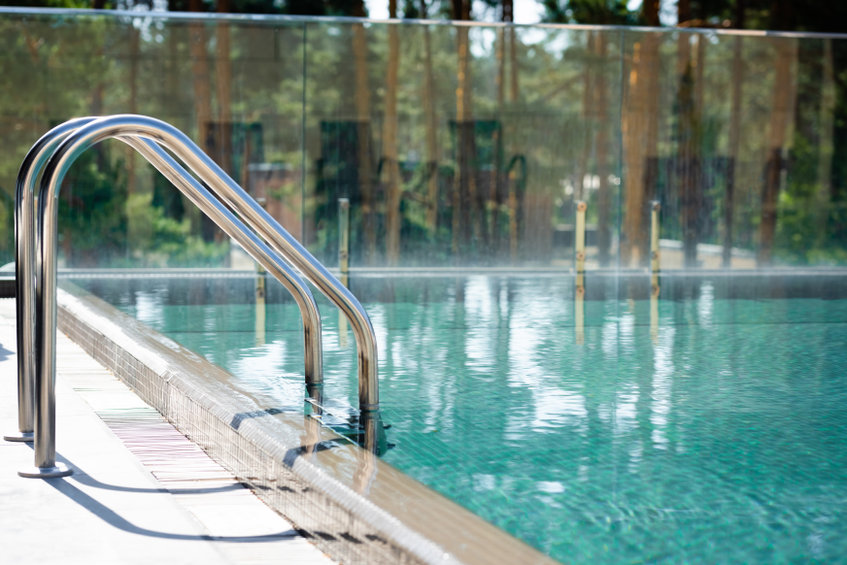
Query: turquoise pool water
[{"x": 704, "y": 428}]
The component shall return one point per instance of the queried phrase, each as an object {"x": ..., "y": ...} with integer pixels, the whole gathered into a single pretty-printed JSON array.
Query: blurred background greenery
[{"x": 457, "y": 143}]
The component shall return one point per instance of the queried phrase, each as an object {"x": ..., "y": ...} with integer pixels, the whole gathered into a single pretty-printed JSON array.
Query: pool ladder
[{"x": 36, "y": 237}]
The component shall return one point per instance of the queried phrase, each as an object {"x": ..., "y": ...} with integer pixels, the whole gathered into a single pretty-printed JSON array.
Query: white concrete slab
[{"x": 140, "y": 493}]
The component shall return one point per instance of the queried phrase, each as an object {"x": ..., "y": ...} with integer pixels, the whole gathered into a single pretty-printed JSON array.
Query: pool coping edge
[{"x": 313, "y": 482}]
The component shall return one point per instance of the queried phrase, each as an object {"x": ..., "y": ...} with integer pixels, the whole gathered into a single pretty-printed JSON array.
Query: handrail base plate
[
  {"x": 28, "y": 437},
  {"x": 58, "y": 470}
]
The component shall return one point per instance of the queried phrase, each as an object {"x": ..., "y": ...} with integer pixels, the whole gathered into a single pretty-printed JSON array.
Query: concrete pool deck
[
  {"x": 140, "y": 493},
  {"x": 344, "y": 500}
]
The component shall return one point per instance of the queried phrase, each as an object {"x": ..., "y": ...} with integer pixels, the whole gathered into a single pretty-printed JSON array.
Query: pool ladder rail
[{"x": 36, "y": 237}]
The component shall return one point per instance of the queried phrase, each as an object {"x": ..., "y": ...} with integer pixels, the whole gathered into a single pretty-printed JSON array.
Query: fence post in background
[
  {"x": 344, "y": 238},
  {"x": 579, "y": 247},
  {"x": 513, "y": 219},
  {"x": 654, "y": 318},
  {"x": 343, "y": 260},
  {"x": 655, "y": 207}
]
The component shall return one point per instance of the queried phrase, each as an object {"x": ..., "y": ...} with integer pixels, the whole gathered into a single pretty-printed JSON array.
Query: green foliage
[
  {"x": 7, "y": 228},
  {"x": 292, "y": 7},
  {"x": 605, "y": 12},
  {"x": 47, "y": 3},
  {"x": 92, "y": 220},
  {"x": 291, "y": 77},
  {"x": 161, "y": 241},
  {"x": 95, "y": 213}
]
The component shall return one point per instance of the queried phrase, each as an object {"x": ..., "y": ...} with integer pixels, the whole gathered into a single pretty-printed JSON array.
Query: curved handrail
[
  {"x": 127, "y": 127},
  {"x": 251, "y": 213},
  {"x": 25, "y": 259},
  {"x": 257, "y": 249}
]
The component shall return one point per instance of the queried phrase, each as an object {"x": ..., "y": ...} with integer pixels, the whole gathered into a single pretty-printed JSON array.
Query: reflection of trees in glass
[
  {"x": 389, "y": 144},
  {"x": 430, "y": 126},
  {"x": 92, "y": 215},
  {"x": 362, "y": 99},
  {"x": 777, "y": 139},
  {"x": 599, "y": 65},
  {"x": 465, "y": 224},
  {"x": 640, "y": 139},
  {"x": 715, "y": 111},
  {"x": 808, "y": 203}
]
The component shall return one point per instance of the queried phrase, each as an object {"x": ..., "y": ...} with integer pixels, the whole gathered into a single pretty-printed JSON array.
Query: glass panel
[
  {"x": 494, "y": 133},
  {"x": 456, "y": 145},
  {"x": 733, "y": 135},
  {"x": 236, "y": 89}
]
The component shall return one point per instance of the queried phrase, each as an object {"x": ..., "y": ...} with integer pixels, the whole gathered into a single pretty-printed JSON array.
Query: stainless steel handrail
[
  {"x": 25, "y": 259},
  {"x": 127, "y": 128},
  {"x": 26, "y": 280},
  {"x": 253, "y": 215},
  {"x": 257, "y": 249},
  {"x": 25, "y": 269},
  {"x": 44, "y": 422}
]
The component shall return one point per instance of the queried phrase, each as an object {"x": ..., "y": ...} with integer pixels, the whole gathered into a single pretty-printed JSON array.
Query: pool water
[{"x": 704, "y": 428}]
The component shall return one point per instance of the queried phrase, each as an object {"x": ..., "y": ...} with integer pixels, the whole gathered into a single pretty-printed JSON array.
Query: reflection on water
[{"x": 693, "y": 427}]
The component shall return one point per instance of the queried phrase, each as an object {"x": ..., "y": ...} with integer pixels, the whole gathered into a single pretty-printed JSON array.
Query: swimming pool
[{"x": 712, "y": 427}]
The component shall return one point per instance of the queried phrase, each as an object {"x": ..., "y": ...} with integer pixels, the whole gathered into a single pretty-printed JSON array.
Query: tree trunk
[
  {"x": 739, "y": 14},
  {"x": 499, "y": 199},
  {"x": 465, "y": 216},
  {"x": 650, "y": 12},
  {"x": 783, "y": 87},
  {"x": 202, "y": 92},
  {"x": 734, "y": 148},
  {"x": 131, "y": 155},
  {"x": 640, "y": 138},
  {"x": 604, "y": 197},
  {"x": 683, "y": 14},
  {"x": 389, "y": 142},
  {"x": 500, "y": 80},
  {"x": 223, "y": 78},
  {"x": 363, "y": 117},
  {"x": 688, "y": 134},
  {"x": 431, "y": 140},
  {"x": 134, "y": 44},
  {"x": 688, "y": 165},
  {"x": 513, "y": 54}
]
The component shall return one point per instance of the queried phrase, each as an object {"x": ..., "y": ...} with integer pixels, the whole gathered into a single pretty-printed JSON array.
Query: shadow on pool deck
[
  {"x": 117, "y": 521},
  {"x": 114, "y": 509}
]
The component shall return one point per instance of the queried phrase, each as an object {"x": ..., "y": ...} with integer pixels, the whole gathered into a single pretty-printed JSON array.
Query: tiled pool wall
[{"x": 353, "y": 506}]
